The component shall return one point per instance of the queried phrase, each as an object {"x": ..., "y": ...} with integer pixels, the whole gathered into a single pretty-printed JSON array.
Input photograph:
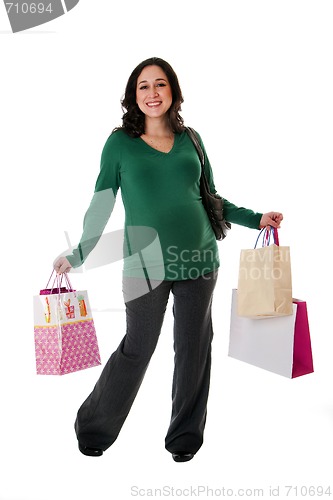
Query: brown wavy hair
[{"x": 133, "y": 119}]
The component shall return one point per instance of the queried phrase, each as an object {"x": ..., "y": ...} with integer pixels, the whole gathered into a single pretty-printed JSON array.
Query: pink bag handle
[
  {"x": 68, "y": 283},
  {"x": 47, "y": 284},
  {"x": 276, "y": 236},
  {"x": 57, "y": 289}
]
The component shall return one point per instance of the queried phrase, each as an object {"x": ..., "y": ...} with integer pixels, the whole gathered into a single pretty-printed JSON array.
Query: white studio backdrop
[{"x": 257, "y": 81}]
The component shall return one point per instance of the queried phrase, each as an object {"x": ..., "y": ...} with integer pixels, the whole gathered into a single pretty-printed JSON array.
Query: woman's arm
[
  {"x": 241, "y": 215},
  {"x": 100, "y": 208}
]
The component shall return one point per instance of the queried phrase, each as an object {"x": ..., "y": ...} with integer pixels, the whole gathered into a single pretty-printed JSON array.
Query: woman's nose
[{"x": 153, "y": 93}]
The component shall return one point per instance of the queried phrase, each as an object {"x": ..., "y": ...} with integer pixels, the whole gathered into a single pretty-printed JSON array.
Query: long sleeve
[
  {"x": 232, "y": 213},
  {"x": 102, "y": 203}
]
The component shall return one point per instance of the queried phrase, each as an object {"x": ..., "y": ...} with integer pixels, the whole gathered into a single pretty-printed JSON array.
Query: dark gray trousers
[{"x": 102, "y": 415}]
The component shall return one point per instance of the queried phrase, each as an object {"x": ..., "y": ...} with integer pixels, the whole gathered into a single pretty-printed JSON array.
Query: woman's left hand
[{"x": 271, "y": 219}]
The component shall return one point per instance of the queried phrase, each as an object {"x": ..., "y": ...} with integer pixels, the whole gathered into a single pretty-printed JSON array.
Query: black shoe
[
  {"x": 182, "y": 456},
  {"x": 90, "y": 452}
]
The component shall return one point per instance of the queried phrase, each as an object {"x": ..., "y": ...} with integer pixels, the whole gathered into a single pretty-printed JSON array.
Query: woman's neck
[
  {"x": 157, "y": 128},
  {"x": 158, "y": 135}
]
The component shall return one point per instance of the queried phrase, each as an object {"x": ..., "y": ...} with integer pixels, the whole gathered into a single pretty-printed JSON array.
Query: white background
[{"x": 257, "y": 81}]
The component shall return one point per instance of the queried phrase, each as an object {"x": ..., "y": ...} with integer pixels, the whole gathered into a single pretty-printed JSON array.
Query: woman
[{"x": 153, "y": 161}]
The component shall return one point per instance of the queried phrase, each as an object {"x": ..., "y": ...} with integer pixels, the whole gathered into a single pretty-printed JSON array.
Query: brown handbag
[{"x": 213, "y": 203}]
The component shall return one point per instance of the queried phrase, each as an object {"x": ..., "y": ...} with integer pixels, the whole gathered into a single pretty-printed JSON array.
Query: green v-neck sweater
[{"x": 167, "y": 233}]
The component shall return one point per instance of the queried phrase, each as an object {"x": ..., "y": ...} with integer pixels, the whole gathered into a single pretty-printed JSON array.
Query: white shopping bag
[{"x": 278, "y": 344}]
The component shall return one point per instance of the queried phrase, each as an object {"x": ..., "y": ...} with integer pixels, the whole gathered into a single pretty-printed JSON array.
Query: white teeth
[{"x": 153, "y": 104}]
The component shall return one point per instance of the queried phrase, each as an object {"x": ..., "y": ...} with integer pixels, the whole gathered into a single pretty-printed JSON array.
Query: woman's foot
[
  {"x": 181, "y": 456},
  {"x": 90, "y": 452}
]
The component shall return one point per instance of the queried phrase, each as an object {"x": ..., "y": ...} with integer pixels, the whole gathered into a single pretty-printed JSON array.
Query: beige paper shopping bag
[{"x": 264, "y": 280}]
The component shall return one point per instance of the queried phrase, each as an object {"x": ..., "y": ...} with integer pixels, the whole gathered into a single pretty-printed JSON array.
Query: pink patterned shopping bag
[{"x": 65, "y": 336}]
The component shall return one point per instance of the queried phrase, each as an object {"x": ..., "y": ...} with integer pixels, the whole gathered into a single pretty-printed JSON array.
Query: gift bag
[
  {"x": 279, "y": 344},
  {"x": 65, "y": 336},
  {"x": 264, "y": 280}
]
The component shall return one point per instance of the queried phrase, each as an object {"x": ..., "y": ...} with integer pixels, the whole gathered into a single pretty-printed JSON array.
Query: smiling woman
[
  {"x": 154, "y": 99},
  {"x": 154, "y": 163},
  {"x": 153, "y": 95},
  {"x": 152, "y": 75}
]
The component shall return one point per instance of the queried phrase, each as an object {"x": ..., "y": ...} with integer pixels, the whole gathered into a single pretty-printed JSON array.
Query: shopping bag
[
  {"x": 264, "y": 280},
  {"x": 278, "y": 344},
  {"x": 64, "y": 331}
]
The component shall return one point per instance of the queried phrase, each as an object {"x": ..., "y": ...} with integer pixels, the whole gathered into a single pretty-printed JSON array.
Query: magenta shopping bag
[
  {"x": 302, "y": 354},
  {"x": 64, "y": 331}
]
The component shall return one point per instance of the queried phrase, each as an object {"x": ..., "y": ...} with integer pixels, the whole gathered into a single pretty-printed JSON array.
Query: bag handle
[
  {"x": 194, "y": 138},
  {"x": 58, "y": 279},
  {"x": 203, "y": 179},
  {"x": 267, "y": 232},
  {"x": 276, "y": 236}
]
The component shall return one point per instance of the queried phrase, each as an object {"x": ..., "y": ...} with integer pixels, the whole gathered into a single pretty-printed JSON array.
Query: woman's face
[{"x": 153, "y": 92}]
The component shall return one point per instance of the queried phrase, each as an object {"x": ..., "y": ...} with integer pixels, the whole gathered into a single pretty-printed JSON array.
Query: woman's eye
[{"x": 145, "y": 87}]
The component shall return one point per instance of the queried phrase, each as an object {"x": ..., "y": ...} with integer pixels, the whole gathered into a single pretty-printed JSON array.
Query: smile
[{"x": 154, "y": 104}]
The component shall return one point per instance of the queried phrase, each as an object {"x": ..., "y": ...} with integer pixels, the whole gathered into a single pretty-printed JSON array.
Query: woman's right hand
[{"x": 62, "y": 265}]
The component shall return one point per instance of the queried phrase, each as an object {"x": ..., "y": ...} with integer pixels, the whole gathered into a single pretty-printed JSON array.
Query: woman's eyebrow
[{"x": 156, "y": 80}]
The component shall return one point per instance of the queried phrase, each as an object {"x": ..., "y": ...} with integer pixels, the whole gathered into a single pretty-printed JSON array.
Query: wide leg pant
[{"x": 102, "y": 415}]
